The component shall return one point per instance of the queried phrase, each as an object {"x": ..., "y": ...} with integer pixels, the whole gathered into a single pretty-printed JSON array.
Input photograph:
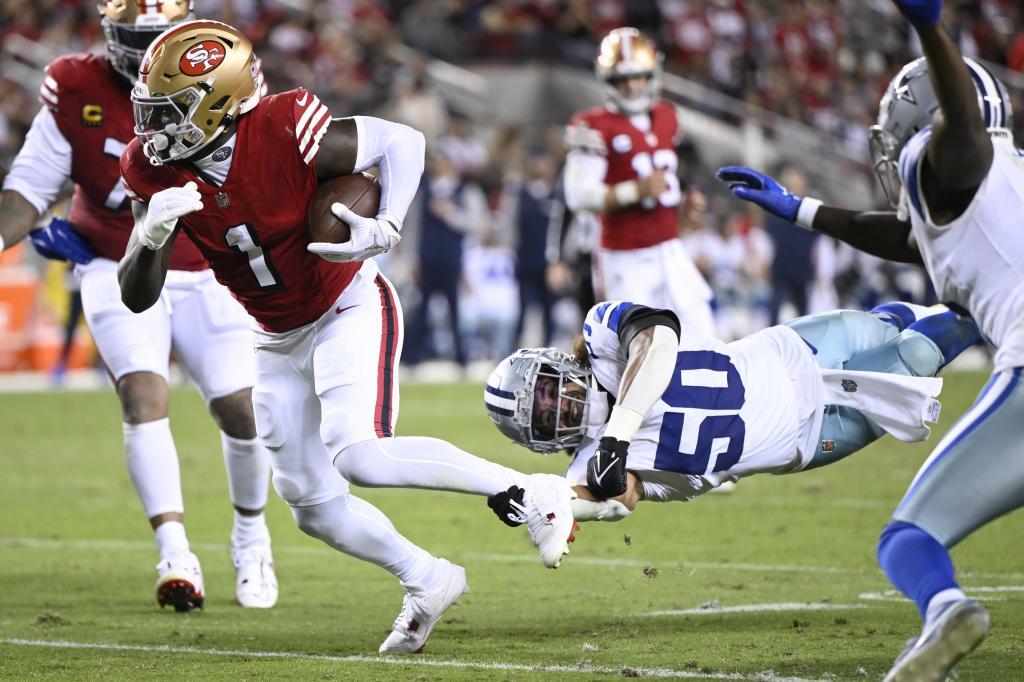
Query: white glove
[
  {"x": 369, "y": 237},
  {"x": 165, "y": 207}
]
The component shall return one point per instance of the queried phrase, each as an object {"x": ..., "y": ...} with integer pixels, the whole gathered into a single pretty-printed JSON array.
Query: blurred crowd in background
[{"x": 483, "y": 243}]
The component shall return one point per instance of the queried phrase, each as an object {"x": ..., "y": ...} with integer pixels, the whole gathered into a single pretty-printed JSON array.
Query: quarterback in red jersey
[
  {"x": 236, "y": 174},
  {"x": 622, "y": 163},
  {"x": 79, "y": 134}
]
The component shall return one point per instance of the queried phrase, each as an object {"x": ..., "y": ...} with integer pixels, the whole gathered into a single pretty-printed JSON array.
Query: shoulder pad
[
  {"x": 311, "y": 119},
  {"x": 65, "y": 74}
]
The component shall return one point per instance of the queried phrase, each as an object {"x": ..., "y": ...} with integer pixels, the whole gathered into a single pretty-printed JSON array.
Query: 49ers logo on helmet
[{"x": 202, "y": 58}]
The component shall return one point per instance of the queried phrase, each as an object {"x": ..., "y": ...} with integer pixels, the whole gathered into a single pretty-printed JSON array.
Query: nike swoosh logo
[
  {"x": 606, "y": 470},
  {"x": 302, "y": 102},
  {"x": 339, "y": 310}
]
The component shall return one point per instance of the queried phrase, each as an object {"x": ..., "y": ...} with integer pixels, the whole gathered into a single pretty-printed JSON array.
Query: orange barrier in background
[{"x": 31, "y": 331}]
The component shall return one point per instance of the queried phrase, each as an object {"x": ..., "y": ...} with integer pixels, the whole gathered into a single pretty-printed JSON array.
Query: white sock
[
  {"x": 357, "y": 528},
  {"x": 153, "y": 466},
  {"x": 249, "y": 530},
  {"x": 936, "y": 603},
  {"x": 419, "y": 462},
  {"x": 248, "y": 465},
  {"x": 604, "y": 510},
  {"x": 171, "y": 539}
]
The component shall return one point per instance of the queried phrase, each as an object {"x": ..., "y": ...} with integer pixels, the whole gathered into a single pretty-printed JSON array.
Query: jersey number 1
[
  {"x": 703, "y": 380},
  {"x": 243, "y": 239}
]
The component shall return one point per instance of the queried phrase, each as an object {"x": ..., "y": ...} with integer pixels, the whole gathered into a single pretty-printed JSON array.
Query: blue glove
[
  {"x": 761, "y": 189},
  {"x": 920, "y": 13},
  {"x": 59, "y": 241}
]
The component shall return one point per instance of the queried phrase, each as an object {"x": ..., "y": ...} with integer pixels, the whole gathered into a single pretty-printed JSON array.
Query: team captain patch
[{"x": 92, "y": 115}]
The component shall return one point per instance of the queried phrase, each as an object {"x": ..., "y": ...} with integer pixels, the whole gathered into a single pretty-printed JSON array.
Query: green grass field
[{"x": 76, "y": 575}]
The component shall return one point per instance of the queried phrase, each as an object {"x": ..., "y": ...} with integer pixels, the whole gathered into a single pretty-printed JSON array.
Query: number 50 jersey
[{"x": 730, "y": 409}]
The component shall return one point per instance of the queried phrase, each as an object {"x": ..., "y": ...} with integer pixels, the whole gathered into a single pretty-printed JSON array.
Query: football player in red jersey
[
  {"x": 79, "y": 134},
  {"x": 236, "y": 174},
  {"x": 622, "y": 164}
]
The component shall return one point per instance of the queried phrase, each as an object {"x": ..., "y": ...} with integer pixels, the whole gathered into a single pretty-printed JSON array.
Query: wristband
[
  {"x": 626, "y": 193},
  {"x": 623, "y": 423},
  {"x": 806, "y": 212}
]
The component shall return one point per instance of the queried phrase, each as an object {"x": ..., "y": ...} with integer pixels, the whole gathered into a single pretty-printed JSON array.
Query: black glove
[
  {"x": 606, "y": 471},
  {"x": 509, "y": 506}
]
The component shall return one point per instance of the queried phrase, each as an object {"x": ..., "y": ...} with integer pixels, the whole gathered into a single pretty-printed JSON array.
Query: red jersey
[
  {"x": 631, "y": 154},
  {"x": 252, "y": 229},
  {"x": 92, "y": 106}
]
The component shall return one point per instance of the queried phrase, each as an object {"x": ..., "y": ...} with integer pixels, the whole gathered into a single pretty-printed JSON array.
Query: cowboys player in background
[
  {"x": 947, "y": 162},
  {"x": 79, "y": 134}
]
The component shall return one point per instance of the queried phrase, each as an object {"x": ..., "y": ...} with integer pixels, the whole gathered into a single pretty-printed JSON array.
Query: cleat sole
[{"x": 181, "y": 594}]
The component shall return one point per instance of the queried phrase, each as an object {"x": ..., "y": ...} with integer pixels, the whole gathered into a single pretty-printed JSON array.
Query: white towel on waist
[{"x": 899, "y": 404}]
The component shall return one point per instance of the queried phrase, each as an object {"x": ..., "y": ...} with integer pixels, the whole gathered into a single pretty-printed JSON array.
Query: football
[{"x": 360, "y": 192}]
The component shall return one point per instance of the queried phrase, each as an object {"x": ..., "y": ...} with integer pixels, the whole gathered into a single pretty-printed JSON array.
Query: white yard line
[
  {"x": 417, "y": 661},
  {"x": 711, "y": 610}
]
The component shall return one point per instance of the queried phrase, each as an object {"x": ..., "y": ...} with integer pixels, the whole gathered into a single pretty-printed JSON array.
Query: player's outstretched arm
[
  {"x": 879, "y": 233},
  {"x": 650, "y": 362},
  {"x": 960, "y": 150}
]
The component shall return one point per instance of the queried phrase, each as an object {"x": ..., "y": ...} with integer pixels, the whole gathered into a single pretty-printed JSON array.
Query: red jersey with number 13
[
  {"x": 252, "y": 229},
  {"x": 633, "y": 153}
]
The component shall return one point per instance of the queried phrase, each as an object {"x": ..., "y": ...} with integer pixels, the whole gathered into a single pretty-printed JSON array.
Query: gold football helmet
[
  {"x": 195, "y": 80},
  {"x": 129, "y": 27},
  {"x": 626, "y": 53}
]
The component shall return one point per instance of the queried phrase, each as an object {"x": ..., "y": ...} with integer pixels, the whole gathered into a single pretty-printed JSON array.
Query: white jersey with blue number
[
  {"x": 977, "y": 260},
  {"x": 730, "y": 409}
]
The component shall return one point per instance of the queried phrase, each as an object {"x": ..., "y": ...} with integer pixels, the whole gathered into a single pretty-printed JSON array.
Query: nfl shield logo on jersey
[{"x": 849, "y": 385}]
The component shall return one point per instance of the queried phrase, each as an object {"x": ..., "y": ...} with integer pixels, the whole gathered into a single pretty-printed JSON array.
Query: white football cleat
[
  {"x": 255, "y": 579},
  {"x": 420, "y": 612},
  {"x": 953, "y": 635},
  {"x": 549, "y": 519},
  {"x": 180, "y": 582}
]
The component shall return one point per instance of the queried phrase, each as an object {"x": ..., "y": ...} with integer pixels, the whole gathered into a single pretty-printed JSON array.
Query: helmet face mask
[
  {"x": 511, "y": 397},
  {"x": 886, "y": 160},
  {"x": 195, "y": 80},
  {"x": 131, "y": 26},
  {"x": 164, "y": 124},
  {"x": 626, "y": 53},
  {"x": 910, "y": 103}
]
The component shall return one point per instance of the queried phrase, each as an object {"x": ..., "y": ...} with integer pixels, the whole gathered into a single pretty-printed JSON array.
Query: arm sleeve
[
  {"x": 43, "y": 165},
  {"x": 397, "y": 150},
  {"x": 585, "y": 189},
  {"x": 654, "y": 371}
]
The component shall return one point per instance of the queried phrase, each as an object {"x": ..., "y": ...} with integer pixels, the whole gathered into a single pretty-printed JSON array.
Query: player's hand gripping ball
[{"x": 360, "y": 192}]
